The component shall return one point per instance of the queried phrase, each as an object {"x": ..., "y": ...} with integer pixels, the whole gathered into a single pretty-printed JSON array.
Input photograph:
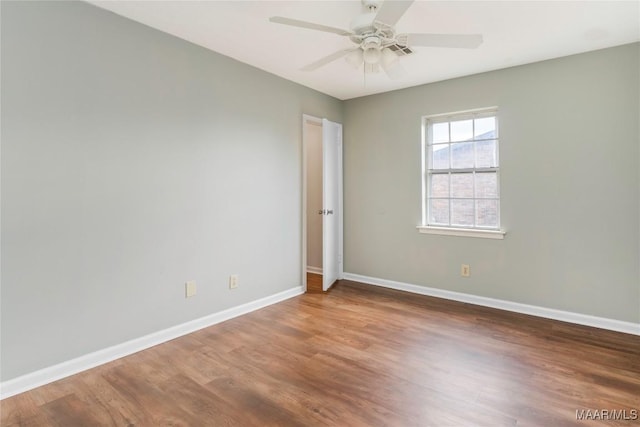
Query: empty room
[{"x": 320, "y": 213}]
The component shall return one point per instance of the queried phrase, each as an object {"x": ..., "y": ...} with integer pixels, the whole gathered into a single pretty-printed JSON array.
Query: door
[{"x": 331, "y": 202}]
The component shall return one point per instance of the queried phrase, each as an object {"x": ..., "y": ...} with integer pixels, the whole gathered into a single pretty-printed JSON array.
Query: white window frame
[{"x": 471, "y": 231}]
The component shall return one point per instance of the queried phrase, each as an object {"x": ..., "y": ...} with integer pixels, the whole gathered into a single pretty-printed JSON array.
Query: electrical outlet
[
  {"x": 465, "y": 271},
  {"x": 190, "y": 288},
  {"x": 233, "y": 281}
]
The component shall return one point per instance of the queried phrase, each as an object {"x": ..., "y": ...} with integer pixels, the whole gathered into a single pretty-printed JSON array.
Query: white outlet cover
[
  {"x": 190, "y": 288},
  {"x": 233, "y": 281},
  {"x": 465, "y": 270}
]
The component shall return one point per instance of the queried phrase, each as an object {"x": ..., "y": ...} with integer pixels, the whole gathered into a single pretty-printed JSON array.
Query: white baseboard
[
  {"x": 549, "y": 313},
  {"x": 53, "y": 373},
  {"x": 315, "y": 270}
]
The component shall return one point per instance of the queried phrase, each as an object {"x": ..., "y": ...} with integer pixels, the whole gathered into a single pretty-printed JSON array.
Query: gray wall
[
  {"x": 133, "y": 161},
  {"x": 570, "y": 183}
]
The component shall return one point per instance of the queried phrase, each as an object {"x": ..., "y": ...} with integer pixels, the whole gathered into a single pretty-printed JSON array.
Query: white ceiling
[{"x": 515, "y": 32}]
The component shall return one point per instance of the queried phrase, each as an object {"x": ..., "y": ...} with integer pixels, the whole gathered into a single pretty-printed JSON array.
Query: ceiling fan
[{"x": 378, "y": 44}]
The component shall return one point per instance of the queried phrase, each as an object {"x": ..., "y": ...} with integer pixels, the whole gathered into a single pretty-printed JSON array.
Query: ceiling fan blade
[
  {"x": 462, "y": 41},
  {"x": 327, "y": 59},
  {"x": 309, "y": 25},
  {"x": 392, "y": 10}
]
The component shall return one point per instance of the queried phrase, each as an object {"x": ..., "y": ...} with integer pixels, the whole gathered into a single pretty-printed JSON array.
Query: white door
[{"x": 331, "y": 202}]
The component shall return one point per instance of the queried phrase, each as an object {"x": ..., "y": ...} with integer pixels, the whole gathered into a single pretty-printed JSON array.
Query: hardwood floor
[
  {"x": 314, "y": 283},
  {"x": 357, "y": 356}
]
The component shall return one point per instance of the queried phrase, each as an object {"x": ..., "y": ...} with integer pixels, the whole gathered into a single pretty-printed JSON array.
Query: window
[{"x": 461, "y": 191}]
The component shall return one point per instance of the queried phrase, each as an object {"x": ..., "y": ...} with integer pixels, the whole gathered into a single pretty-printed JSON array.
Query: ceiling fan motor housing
[{"x": 363, "y": 23}]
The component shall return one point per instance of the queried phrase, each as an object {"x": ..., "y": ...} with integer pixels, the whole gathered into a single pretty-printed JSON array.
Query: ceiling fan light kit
[
  {"x": 389, "y": 58},
  {"x": 378, "y": 44},
  {"x": 355, "y": 58},
  {"x": 371, "y": 47},
  {"x": 391, "y": 64}
]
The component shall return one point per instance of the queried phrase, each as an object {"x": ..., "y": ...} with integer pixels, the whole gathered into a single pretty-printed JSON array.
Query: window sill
[{"x": 462, "y": 232}]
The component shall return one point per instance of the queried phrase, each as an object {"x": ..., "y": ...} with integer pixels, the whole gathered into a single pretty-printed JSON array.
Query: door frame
[{"x": 318, "y": 121}]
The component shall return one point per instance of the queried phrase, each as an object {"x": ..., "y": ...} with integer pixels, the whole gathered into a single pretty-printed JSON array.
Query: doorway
[{"x": 322, "y": 203}]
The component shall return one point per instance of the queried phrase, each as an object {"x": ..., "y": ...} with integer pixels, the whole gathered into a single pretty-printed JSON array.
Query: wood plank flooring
[
  {"x": 357, "y": 356},
  {"x": 314, "y": 283}
]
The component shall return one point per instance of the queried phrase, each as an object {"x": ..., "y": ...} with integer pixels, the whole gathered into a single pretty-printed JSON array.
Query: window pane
[
  {"x": 439, "y": 211},
  {"x": 440, "y": 185},
  {"x": 462, "y": 155},
  {"x": 486, "y": 185},
  {"x": 484, "y": 128},
  {"x": 486, "y": 156},
  {"x": 439, "y": 158},
  {"x": 487, "y": 213},
  {"x": 440, "y": 132},
  {"x": 462, "y": 170},
  {"x": 462, "y": 185},
  {"x": 462, "y": 212},
  {"x": 462, "y": 130}
]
